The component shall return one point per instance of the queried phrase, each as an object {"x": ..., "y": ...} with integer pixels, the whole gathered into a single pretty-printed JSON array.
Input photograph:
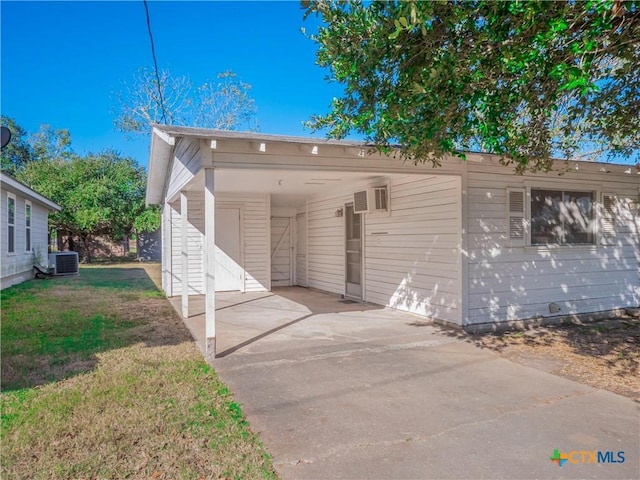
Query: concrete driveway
[{"x": 341, "y": 390}]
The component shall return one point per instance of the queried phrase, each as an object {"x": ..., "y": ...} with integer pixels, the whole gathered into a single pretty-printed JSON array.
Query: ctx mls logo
[{"x": 585, "y": 456}]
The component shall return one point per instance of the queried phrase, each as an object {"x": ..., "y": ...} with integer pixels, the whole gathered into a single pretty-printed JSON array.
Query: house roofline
[
  {"x": 8, "y": 181},
  {"x": 213, "y": 134},
  {"x": 164, "y": 137}
]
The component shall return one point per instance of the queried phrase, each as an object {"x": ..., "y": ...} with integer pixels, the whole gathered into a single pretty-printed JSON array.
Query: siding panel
[
  {"x": 411, "y": 257},
  {"x": 256, "y": 243},
  {"x": 509, "y": 283}
]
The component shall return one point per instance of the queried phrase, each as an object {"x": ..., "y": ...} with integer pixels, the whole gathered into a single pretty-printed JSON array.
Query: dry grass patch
[
  {"x": 604, "y": 354},
  {"x": 102, "y": 380}
]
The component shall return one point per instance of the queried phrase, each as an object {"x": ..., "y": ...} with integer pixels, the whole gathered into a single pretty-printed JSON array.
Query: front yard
[{"x": 100, "y": 379}]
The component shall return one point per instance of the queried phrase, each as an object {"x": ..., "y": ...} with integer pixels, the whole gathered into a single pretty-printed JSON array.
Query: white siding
[
  {"x": 301, "y": 249},
  {"x": 411, "y": 257},
  {"x": 509, "y": 283},
  {"x": 256, "y": 244},
  {"x": 186, "y": 163},
  {"x": 20, "y": 263},
  {"x": 325, "y": 243}
]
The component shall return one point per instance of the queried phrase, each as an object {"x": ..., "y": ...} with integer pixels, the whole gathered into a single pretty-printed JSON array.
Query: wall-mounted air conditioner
[
  {"x": 64, "y": 263},
  {"x": 371, "y": 200}
]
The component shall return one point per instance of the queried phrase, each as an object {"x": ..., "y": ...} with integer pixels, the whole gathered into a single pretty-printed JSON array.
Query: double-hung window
[
  {"x": 541, "y": 216},
  {"x": 562, "y": 217},
  {"x": 27, "y": 225},
  {"x": 11, "y": 223}
]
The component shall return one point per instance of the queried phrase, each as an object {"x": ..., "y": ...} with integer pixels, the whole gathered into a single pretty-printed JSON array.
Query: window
[
  {"x": 11, "y": 223},
  {"x": 561, "y": 217},
  {"x": 381, "y": 199},
  {"x": 27, "y": 225}
]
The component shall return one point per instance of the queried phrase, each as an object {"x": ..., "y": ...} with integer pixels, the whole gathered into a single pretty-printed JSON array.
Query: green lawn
[{"x": 100, "y": 379}]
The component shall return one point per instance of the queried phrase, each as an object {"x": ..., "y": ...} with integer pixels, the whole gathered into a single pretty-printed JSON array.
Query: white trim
[
  {"x": 267, "y": 249},
  {"x": 209, "y": 261},
  {"x": 595, "y": 190},
  {"x": 362, "y": 253},
  {"x": 306, "y": 234},
  {"x": 12, "y": 196},
  {"x": 463, "y": 258},
  {"x": 28, "y": 228},
  {"x": 165, "y": 137},
  {"x": 184, "y": 251},
  {"x": 23, "y": 189},
  {"x": 293, "y": 269}
]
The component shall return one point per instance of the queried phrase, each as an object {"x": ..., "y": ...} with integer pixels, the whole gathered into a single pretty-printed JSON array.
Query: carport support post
[
  {"x": 184, "y": 248},
  {"x": 210, "y": 265}
]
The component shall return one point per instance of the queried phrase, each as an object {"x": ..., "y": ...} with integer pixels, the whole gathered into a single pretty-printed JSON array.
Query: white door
[
  {"x": 301, "y": 251},
  {"x": 353, "y": 253},
  {"x": 229, "y": 271},
  {"x": 281, "y": 251}
]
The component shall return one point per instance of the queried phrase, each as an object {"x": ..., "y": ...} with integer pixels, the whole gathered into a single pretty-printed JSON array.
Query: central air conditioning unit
[
  {"x": 64, "y": 263},
  {"x": 371, "y": 200}
]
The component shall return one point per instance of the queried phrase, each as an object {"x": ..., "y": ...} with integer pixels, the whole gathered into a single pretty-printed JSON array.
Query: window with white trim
[
  {"x": 27, "y": 225},
  {"x": 562, "y": 217},
  {"x": 11, "y": 223},
  {"x": 550, "y": 217}
]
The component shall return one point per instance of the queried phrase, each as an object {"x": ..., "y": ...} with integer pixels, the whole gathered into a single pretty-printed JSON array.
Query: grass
[{"x": 100, "y": 379}]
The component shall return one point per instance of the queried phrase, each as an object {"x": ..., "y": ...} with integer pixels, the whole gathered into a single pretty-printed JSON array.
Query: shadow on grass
[{"x": 56, "y": 328}]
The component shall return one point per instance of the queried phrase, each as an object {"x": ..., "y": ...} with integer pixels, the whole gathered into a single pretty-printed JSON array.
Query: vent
[
  {"x": 516, "y": 216},
  {"x": 371, "y": 200},
  {"x": 608, "y": 226},
  {"x": 516, "y": 202},
  {"x": 64, "y": 263},
  {"x": 360, "y": 202}
]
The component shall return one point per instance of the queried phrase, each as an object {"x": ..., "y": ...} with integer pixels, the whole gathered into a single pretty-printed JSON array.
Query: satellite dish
[{"x": 6, "y": 136}]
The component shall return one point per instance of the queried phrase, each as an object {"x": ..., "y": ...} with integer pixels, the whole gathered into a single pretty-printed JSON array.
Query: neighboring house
[
  {"x": 468, "y": 243},
  {"x": 24, "y": 219}
]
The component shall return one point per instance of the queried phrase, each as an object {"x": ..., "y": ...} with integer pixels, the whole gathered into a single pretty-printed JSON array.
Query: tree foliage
[
  {"x": 100, "y": 194},
  {"x": 225, "y": 103},
  {"x": 48, "y": 143},
  {"x": 526, "y": 80},
  {"x": 17, "y": 152}
]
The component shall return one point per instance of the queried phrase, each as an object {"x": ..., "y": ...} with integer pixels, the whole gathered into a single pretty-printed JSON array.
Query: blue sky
[{"x": 62, "y": 61}]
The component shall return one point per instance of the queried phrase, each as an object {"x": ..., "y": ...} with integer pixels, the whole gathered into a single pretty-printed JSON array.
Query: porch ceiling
[{"x": 287, "y": 188}]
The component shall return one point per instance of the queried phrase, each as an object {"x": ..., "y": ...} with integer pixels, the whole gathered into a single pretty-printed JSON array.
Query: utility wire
[{"x": 155, "y": 64}]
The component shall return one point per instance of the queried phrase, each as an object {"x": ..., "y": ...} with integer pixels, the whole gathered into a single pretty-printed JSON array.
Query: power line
[{"x": 155, "y": 64}]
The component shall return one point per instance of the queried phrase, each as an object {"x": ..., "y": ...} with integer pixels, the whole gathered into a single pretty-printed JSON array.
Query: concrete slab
[{"x": 355, "y": 391}]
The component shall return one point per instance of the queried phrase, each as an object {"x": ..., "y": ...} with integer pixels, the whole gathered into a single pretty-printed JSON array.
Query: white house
[
  {"x": 24, "y": 239},
  {"x": 469, "y": 243}
]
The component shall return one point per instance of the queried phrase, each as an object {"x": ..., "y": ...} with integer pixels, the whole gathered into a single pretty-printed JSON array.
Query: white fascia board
[
  {"x": 12, "y": 183},
  {"x": 159, "y": 160}
]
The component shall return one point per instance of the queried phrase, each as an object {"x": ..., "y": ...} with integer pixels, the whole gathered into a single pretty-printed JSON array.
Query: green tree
[
  {"x": 225, "y": 103},
  {"x": 17, "y": 152},
  {"x": 49, "y": 143},
  {"x": 101, "y": 194},
  {"x": 524, "y": 80}
]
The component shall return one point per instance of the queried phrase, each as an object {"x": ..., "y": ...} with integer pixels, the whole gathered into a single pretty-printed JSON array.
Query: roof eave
[
  {"x": 159, "y": 160},
  {"x": 26, "y": 191}
]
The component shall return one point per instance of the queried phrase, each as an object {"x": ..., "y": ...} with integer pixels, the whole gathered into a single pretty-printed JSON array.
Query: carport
[
  {"x": 245, "y": 212},
  {"x": 259, "y": 322}
]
